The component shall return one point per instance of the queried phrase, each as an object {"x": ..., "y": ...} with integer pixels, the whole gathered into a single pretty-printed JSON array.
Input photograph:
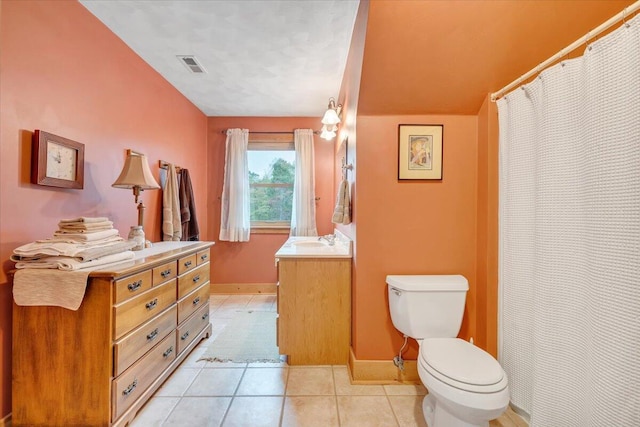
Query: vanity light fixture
[
  {"x": 332, "y": 115},
  {"x": 330, "y": 120},
  {"x": 137, "y": 175},
  {"x": 328, "y": 133}
]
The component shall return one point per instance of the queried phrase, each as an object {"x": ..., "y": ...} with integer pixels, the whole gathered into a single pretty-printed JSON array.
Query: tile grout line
[
  {"x": 233, "y": 396},
  {"x": 181, "y": 394},
  {"x": 335, "y": 395},
  {"x": 284, "y": 398}
]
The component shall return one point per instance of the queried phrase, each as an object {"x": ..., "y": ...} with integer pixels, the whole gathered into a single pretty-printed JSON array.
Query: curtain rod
[
  {"x": 315, "y": 132},
  {"x": 622, "y": 16}
]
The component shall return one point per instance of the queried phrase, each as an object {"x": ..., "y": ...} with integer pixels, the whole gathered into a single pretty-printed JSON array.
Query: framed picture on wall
[{"x": 420, "y": 152}]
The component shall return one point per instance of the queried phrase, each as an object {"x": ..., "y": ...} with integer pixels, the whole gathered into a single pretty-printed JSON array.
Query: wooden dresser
[{"x": 97, "y": 366}]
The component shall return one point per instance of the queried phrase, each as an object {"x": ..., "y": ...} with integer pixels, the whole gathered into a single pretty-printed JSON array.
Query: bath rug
[{"x": 249, "y": 337}]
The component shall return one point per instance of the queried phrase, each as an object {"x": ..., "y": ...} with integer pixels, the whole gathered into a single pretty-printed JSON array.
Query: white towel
[
  {"x": 35, "y": 286},
  {"x": 342, "y": 211},
  {"x": 171, "y": 218},
  {"x": 87, "y": 237},
  {"x": 72, "y": 264},
  {"x": 85, "y": 219},
  {"x": 84, "y": 227},
  {"x": 80, "y": 251},
  {"x": 50, "y": 287}
]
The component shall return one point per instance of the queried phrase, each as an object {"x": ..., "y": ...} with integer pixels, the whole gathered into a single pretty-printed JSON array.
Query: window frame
[{"x": 270, "y": 143}]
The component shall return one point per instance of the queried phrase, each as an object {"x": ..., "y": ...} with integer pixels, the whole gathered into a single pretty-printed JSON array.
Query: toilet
[{"x": 467, "y": 386}]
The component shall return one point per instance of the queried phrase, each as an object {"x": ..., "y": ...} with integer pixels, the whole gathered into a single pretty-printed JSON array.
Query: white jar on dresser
[{"x": 97, "y": 366}]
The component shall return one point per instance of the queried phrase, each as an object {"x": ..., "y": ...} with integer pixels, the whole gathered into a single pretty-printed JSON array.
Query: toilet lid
[{"x": 461, "y": 361}]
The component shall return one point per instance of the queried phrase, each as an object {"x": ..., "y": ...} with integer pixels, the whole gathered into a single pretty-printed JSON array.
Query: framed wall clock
[{"x": 57, "y": 161}]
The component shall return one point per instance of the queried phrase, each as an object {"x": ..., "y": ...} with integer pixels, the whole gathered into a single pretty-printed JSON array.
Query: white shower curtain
[
  {"x": 235, "y": 223},
  {"x": 570, "y": 238},
  {"x": 303, "y": 214}
]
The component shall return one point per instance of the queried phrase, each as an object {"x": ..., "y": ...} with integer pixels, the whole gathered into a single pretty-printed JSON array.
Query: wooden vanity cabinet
[
  {"x": 314, "y": 310},
  {"x": 98, "y": 366}
]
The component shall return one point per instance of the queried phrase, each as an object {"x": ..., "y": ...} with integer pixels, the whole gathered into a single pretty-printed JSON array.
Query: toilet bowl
[{"x": 467, "y": 386}]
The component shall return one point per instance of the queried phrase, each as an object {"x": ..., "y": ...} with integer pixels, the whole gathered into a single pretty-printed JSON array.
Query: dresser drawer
[
  {"x": 137, "y": 310},
  {"x": 134, "y": 345},
  {"x": 203, "y": 256},
  {"x": 192, "y": 280},
  {"x": 187, "y": 263},
  {"x": 128, "y": 387},
  {"x": 192, "y": 326},
  {"x": 164, "y": 272},
  {"x": 131, "y": 286},
  {"x": 190, "y": 303}
]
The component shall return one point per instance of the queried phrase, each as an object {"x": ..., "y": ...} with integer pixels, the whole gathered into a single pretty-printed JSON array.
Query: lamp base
[{"x": 137, "y": 234}]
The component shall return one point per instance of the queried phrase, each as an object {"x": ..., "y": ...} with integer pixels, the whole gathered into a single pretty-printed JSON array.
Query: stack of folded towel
[{"x": 79, "y": 243}]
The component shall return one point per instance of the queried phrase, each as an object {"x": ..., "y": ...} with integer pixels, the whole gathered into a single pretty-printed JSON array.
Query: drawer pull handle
[
  {"x": 168, "y": 352},
  {"x": 165, "y": 273},
  {"x": 135, "y": 285},
  {"x": 196, "y": 301},
  {"x": 203, "y": 257},
  {"x": 152, "y": 304},
  {"x": 204, "y": 316},
  {"x": 184, "y": 336},
  {"x": 152, "y": 335},
  {"x": 127, "y": 391},
  {"x": 196, "y": 278},
  {"x": 187, "y": 264}
]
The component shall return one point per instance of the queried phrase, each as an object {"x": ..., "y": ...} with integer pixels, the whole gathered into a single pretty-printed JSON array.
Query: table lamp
[{"x": 137, "y": 175}]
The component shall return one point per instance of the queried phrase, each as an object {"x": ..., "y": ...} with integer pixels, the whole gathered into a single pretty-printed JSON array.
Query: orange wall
[
  {"x": 487, "y": 273},
  {"x": 63, "y": 71},
  {"x": 349, "y": 94},
  {"x": 407, "y": 227},
  {"x": 253, "y": 261}
]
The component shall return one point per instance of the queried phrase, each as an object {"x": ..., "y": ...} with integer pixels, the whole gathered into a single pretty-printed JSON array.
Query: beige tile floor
[{"x": 275, "y": 394}]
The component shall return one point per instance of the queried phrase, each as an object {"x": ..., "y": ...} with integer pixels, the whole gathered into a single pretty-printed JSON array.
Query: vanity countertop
[{"x": 316, "y": 247}]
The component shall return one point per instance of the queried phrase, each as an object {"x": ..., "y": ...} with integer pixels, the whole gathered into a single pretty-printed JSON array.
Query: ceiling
[
  {"x": 286, "y": 58},
  {"x": 444, "y": 57},
  {"x": 262, "y": 58}
]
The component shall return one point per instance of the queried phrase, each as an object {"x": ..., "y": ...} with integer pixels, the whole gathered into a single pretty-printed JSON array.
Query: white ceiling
[{"x": 263, "y": 58}]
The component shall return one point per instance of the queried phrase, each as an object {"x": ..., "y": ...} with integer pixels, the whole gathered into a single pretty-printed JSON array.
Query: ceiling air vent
[{"x": 191, "y": 63}]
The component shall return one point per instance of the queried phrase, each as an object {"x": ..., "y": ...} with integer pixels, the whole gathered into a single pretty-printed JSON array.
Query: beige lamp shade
[{"x": 136, "y": 173}]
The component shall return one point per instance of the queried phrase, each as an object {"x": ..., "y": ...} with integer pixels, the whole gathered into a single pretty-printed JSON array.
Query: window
[{"x": 271, "y": 174}]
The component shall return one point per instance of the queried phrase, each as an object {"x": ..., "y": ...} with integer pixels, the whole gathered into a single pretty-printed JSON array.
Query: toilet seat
[{"x": 462, "y": 365}]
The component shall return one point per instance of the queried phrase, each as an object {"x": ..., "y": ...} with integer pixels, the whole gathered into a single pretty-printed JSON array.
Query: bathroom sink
[
  {"x": 309, "y": 243},
  {"x": 314, "y": 247}
]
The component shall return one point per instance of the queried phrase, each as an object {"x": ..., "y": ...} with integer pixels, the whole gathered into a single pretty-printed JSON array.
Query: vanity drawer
[
  {"x": 137, "y": 310},
  {"x": 190, "y": 303},
  {"x": 133, "y": 346},
  {"x": 129, "y": 386},
  {"x": 164, "y": 272},
  {"x": 203, "y": 256},
  {"x": 187, "y": 263},
  {"x": 131, "y": 286},
  {"x": 188, "y": 331},
  {"x": 192, "y": 280}
]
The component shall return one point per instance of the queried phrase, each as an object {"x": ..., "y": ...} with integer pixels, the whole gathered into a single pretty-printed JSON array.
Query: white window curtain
[
  {"x": 570, "y": 238},
  {"x": 235, "y": 223},
  {"x": 303, "y": 214}
]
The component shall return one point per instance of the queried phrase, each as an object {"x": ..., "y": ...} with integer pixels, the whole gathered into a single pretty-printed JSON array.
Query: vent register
[{"x": 191, "y": 63}]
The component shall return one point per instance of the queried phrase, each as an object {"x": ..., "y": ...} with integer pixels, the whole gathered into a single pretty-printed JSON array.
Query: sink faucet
[{"x": 331, "y": 238}]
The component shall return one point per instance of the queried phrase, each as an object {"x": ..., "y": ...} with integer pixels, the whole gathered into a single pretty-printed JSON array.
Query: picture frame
[
  {"x": 57, "y": 161},
  {"x": 420, "y": 152}
]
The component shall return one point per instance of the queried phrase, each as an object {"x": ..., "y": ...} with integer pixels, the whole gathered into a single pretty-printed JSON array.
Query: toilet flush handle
[{"x": 396, "y": 291}]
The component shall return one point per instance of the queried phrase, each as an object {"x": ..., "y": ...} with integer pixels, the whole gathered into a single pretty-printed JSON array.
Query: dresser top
[{"x": 158, "y": 254}]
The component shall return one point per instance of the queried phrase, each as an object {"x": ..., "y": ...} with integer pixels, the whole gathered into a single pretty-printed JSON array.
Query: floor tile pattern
[{"x": 202, "y": 394}]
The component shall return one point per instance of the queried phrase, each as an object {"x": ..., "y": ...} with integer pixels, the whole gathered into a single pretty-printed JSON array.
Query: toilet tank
[{"x": 427, "y": 306}]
